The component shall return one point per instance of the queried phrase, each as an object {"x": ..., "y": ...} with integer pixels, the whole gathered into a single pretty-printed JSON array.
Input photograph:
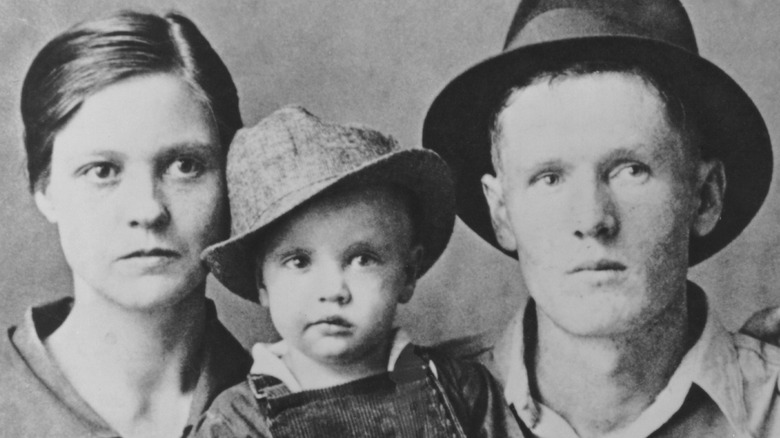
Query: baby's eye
[
  {"x": 297, "y": 262},
  {"x": 101, "y": 172},
  {"x": 185, "y": 167}
]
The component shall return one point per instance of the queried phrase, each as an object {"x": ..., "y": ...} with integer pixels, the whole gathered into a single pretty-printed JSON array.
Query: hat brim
[
  {"x": 458, "y": 122},
  {"x": 420, "y": 171}
]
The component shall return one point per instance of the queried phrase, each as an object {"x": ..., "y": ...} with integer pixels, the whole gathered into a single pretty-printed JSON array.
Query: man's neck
[
  {"x": 137, "y": 370},
  {"x": 601, "y": 384}
]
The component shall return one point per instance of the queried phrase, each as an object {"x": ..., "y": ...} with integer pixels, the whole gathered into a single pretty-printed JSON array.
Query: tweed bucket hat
[
  {"x": 654, "y": 35},
  {"x": 291, "y": 156}
]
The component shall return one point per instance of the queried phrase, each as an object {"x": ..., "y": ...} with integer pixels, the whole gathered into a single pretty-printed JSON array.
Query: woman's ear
[
  {"x": 711, "y": 188},
  {"x": 411, "y": 272},
  {"x": 45, "y": 205}
]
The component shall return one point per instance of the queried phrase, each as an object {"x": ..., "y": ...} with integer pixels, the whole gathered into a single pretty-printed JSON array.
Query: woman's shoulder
[{"x": 28, "y": 406}]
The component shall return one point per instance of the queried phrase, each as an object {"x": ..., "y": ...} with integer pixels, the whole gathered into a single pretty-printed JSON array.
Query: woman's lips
[
  {"x": 149, "y": 261},
  {"x": 153, "y": 252}
]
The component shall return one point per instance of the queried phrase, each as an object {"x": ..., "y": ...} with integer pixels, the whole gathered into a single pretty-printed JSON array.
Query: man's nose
[
  {"x": 144, "y": 201},
  {"x": 333, "y": 286},
  {"x": 594, "y": 211}
]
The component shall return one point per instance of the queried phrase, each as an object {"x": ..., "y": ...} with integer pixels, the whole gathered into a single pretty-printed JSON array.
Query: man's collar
[{"x": 711, "y": 364}]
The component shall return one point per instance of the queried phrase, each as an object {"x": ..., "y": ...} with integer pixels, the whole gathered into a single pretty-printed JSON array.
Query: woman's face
[{"x": 137, "y": 192}]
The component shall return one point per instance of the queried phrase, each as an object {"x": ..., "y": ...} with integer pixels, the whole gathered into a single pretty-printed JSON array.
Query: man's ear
[
  {"x": 262, "y": 295},
  {"x": 411, "y": 272},
  {"x": 711, "y": 188},
  {"x": 45, "y": 205},
  {"x": 494, "y": 195},
  {"x": 262, "y": 292}
]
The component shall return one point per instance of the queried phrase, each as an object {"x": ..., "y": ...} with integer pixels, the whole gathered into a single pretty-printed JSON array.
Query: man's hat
[
  {"x": 654, "y": 35},
  {"x": 291, "y": 156}
]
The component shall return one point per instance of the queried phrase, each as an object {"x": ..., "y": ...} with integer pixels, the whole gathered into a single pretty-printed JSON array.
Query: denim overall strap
[
  {"x": 414, "y": 360},
  {"x": 409, "y": 402},
  {"x": 263, "y": 387}
]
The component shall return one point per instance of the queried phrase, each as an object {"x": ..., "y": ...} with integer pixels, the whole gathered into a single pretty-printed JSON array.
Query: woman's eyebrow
[{"x": 202, "y": 149}]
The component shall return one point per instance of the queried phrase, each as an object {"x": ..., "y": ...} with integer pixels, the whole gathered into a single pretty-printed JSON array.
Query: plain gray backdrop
[{"x": 380, "y": 63}]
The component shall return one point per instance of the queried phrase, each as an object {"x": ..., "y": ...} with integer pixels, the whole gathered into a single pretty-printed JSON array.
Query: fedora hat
[
  {"x": 654, "y": 35},
  {"x": 292, "y": 156}
]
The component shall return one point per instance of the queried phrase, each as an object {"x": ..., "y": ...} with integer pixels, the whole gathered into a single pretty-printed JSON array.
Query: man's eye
[
  {"x": 547, "y": 179},
  {"x": 631, "y": 172},
  {"x": 185, "y": 168},
  {"x": 101, "y": 172},
  {"x": 297, "y": 262}
]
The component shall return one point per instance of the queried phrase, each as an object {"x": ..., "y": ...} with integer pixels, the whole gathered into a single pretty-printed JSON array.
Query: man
[{"x": 610, "y": 157}]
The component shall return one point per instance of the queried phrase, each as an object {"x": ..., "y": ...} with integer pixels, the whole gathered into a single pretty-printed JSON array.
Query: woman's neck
[
  {"x": 136, "y": 368},
  {"x": 602, "y": 384}
]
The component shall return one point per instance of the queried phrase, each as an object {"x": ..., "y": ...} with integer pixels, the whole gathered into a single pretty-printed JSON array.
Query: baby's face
[{"x": 333, "y": 273}]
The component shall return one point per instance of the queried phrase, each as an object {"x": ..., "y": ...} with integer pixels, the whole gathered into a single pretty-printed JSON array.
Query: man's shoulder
[
  {"x": 757, "y": 358},
  {"x": 493, "y": 348},
  {"x": 470, "y": 348}
]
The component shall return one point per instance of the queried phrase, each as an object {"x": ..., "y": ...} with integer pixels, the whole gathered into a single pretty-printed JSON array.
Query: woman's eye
[
  {"x": 101, "y": 172},
  {"x": 186, "y": 168},
  {"x": 297, "y": 262},
  {"x": 364, "y": 260}
]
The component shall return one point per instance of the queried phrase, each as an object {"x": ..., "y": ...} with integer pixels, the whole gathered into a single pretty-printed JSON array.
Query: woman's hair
[{"x": 96, "y": 54}]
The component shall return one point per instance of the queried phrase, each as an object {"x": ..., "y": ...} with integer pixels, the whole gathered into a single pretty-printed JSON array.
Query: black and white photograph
[{"x": 418, "y": 218}]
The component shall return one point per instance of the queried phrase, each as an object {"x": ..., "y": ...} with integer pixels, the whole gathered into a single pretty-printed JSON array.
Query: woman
[{"x": 127, "y": 123}]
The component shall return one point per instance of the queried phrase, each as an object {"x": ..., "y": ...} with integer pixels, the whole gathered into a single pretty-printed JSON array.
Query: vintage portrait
[{"x": 418, "y": 218}]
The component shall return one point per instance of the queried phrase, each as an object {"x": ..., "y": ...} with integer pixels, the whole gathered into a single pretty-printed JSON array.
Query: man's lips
[{"x": 599, "y": 265}]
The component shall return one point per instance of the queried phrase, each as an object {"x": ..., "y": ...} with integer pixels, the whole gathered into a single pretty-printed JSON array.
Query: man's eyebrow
[
  {"x": 551, "y": 164},
  {"x": 633, "y": 151}
]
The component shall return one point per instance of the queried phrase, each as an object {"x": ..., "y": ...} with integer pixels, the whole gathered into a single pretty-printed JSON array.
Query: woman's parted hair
[{"x": 95, "y": 54}]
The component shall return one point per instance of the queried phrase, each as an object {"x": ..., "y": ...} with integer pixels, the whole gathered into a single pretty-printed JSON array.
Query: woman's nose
[
  {"x": 144, "y": 202},
  {"x": 594, "y": 211}
]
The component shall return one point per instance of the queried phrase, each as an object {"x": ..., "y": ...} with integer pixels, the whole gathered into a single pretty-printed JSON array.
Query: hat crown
[
  {"x": 289, "y": 151},
  {"x": 542, "y": 21}
]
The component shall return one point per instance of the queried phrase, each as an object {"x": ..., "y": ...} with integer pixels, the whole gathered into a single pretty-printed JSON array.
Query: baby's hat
[{"x": 292, "y": 156}]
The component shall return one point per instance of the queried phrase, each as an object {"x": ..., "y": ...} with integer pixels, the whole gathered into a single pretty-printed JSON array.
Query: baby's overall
[{"x": 407, "y": 402}]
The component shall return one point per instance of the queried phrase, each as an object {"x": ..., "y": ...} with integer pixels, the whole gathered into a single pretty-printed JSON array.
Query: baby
[{"x": 331, "y": 228}]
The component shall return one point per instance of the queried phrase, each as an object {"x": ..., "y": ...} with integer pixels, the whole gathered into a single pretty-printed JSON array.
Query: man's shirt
[
  {"x": 38, "y": 401},
  {"x": 725, "y": 386}
]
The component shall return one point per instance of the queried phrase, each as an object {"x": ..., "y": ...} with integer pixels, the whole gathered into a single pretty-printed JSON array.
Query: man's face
[{"x": 598, "y": 194}]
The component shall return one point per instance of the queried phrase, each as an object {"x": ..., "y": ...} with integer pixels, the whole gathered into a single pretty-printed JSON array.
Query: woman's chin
[{"x": 151, "y": 293}]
